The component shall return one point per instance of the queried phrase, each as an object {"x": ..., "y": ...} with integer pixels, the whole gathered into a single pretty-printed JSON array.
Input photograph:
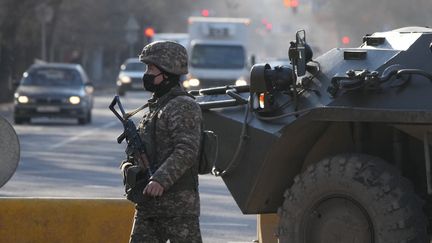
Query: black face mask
[
  {"x": 160, "y": 89},
  {"x": 148, "y": 82}
]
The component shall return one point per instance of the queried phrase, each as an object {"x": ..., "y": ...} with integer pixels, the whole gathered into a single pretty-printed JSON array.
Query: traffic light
[
  {"x": 346, "y": 40},
  {"x": 293, "y": 4},
  {"x": 148, "y": 33},
  {"x": 268, "y": 26},
  {"x": 205, "y": 12}
]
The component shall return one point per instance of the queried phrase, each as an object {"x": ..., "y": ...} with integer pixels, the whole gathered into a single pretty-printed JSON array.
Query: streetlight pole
[
  {"x": 1, "y": 45},
  {"x": 131, "y": 28},
  {"x": 44, "y": 14},
  {"x": 43, "y": 41}
]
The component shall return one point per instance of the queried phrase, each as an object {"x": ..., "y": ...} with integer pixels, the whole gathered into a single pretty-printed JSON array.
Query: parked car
[
  {"x": 54, "y": 90},
  {"x": 130, "y": 76}
]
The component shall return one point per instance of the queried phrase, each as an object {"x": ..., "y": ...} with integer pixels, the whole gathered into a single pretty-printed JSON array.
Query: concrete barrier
[
  {"x": 45, "y": 220},
  {"x": 65, "y": 220},
  {"x": 266, "y": 228}
]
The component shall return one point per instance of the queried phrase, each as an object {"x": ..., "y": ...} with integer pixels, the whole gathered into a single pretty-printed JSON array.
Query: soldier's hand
[{"x": 153, "y": 189}]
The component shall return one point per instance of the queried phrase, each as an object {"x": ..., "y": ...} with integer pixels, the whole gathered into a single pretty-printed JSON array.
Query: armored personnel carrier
[{"x": 338, "y": 145}]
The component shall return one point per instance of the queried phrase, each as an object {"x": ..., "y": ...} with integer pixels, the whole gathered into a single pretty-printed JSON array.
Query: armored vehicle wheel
[{"x": 351, "y": 198}]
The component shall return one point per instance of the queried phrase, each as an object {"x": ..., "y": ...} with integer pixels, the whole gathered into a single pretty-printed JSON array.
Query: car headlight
[
  {"x": 22, "y": 99},
  {"x": 74, "y": 100},
  {"x": 186, "y": 84},
  {"x": 240, "y": 82},
  {"x": 125, "y": 79},
  {"x": 194, "y": 82}
]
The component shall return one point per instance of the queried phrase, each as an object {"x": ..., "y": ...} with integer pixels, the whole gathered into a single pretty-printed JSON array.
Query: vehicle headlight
[
  {"x": 194, "y": 82},
  {"x": 22, "y": 99},
  {"x": 125, "y": 79},
  {"x": 240, "y": 82},
  {"x": 186, "y": 84},
  {"x": 74, "y": 100}
]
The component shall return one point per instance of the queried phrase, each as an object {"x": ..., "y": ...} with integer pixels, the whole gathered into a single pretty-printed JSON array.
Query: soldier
[{"x": 171, "y": 133}]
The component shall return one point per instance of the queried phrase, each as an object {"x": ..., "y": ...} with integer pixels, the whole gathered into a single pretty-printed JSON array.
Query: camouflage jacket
[{"x": 177, "y": 131}]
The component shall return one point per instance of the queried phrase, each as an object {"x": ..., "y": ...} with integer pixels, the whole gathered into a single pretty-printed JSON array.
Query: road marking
[
  {"x": 97, "y": 186},
  {"x": 224, "y": 224},
  {"x": 33, "y": 154},
  {"x": 239, "y": 241},
  {"x": 80, "y": 135}
]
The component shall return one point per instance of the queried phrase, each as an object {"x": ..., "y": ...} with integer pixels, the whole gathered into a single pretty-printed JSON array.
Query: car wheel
[
  {"x": 21, "y": 120},
  {"x": 351, "y": 198},
  {"x": 18, "y": 120},
  {"x": 82, "y": 121},
  {"x": 86, "y": 119},
  {"x": 89, "y": 116},
  {"x": 121, "y": 92}
]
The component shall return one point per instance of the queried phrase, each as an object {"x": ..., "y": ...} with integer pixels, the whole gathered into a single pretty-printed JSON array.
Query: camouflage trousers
[{"x": 160, "y": 229}]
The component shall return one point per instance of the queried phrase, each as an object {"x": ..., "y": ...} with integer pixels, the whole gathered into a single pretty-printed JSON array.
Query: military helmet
[{"x": 169, "y": 56}]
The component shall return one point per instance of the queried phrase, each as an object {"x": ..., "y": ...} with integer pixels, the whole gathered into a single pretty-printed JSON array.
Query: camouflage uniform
[
  {"x": 171, "y": 131},
  {"x": 174, "y": 215},
  {"x": 160, "y": 229}
]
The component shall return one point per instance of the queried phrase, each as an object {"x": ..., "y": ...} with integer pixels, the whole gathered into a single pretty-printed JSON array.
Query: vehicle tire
[
  {"x": 18, "y": 120},
  {"x": 121, "y": 92},
  {"x": 351, "y": 198},
  {"x": 86, "y": 119},
  {"x": 21, "y": 120},
  {"x": 82, "y": 121},
  {"x": 89, "y": 116}
]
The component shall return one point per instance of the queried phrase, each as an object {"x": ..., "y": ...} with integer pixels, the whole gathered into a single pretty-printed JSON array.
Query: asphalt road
[{"x": 60, "y": 158}]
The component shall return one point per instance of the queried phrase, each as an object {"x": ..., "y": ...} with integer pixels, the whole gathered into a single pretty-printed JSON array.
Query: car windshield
[
  {"x": 134, "y": 66},
  {"x": 216, "y": 56},
  {"x": 53, "y": 77}
]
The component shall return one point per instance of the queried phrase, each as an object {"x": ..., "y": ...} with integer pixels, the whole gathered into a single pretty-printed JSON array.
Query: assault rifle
[{"x": 135, "y": 148}]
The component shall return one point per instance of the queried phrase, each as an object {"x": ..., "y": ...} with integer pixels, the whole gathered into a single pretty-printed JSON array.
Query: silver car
[
  {"x": 130, "y": 76},
  {"x": 54, "y": 90}
]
